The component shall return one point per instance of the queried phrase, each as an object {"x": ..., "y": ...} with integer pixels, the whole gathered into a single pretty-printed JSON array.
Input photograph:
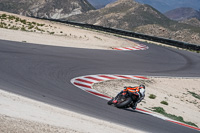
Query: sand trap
[{"x": 175, "y": 91}]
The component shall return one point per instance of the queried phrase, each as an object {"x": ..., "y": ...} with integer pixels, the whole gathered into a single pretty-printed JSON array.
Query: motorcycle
[{"x": 123, "y": 100}]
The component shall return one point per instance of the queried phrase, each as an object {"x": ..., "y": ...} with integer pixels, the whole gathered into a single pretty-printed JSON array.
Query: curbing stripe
[
  {"x": 85, "y": 81},
  {"x": 82, "y": 85},
  {"x": 100, "y": 95},
  {"x": 93, "y": 78},
  {"x": 123, "y": 77},
  {"x": 104, "y": 76},
  {"x": 137, "y": 47},
  {"x": 140, "y": 77},
  {"x": 81, "y": 82},
  {"x": 179, "y": 123}
]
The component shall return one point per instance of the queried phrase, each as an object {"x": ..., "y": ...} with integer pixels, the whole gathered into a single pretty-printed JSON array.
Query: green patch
[
  {"x": 164, "y": 102},
  {"x": 174, "y": 117},
  {"x": 51, "y": 33},
  {"x": 3, "y": 15},
  {"x": 23, "y": 21},
  {"x": 11, "y": 17},
  {"x": 194, "y": 95},
  {"x": 34, "y": 23},
  {"x": 14, "y": 28},
  {"x": 152, "y": 96},
  {"x": 17, "y": 19},
  {"x": 30, "y": 27},
  {"x": 23, "y": 29},
  {"x": 40, "y": 24},
  {"x": 39, "y": 29}
]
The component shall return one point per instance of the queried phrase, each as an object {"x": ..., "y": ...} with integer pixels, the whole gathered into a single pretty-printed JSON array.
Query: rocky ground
[{"x": 183, "y": 35}]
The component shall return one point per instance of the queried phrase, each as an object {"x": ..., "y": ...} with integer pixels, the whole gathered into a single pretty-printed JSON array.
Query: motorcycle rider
[{"x": 138, "y": 91}]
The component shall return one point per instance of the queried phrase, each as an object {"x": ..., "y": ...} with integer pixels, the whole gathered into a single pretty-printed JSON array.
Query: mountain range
[
  {"x": 122, "y": 14},
  {"x": 183, "y": 13},
  {"x": 167, "y": 5},
  {"x": 46, "y": 8},
  {"x": 161, "y": 5},
  {"x": 141, "y": 18}
]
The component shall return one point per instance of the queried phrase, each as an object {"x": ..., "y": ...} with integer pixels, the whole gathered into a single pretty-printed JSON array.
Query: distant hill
[
  {"x": 100, "y": 3},
  {"x": 133, "y": 16},
  {"x": 167, "y": 5},
  {"x": 183, "y": 13},
  {"x": 192, "y": 21},
  {"x": 56, "y": 9},
  {"x": 161, "y": 5},
  {"x": 124, "y": 14}
]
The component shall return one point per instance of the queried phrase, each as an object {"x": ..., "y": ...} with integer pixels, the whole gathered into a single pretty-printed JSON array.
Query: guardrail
[{"x": 179, "y": 44}]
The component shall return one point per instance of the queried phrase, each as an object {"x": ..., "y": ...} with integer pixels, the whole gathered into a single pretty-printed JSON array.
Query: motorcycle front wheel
[{"x": 110, "y": 102}]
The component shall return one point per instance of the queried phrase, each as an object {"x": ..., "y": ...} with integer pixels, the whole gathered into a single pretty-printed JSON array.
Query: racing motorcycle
[{"x": 123, "y": 100}]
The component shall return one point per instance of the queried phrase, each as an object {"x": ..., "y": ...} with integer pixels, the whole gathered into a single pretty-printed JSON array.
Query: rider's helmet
[{"x": 142, "y": 86}]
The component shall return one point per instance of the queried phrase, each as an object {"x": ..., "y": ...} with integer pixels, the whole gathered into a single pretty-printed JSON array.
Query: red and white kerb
[
  {"x": 85, "y": 83},
  {"x": 137, "y": 47}
]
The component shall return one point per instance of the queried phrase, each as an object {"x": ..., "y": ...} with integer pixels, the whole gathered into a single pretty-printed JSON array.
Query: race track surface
[{"x": 44, "y": 72}]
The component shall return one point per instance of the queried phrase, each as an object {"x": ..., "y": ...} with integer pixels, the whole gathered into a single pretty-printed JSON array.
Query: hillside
[
  {"x": 160, "y": 5},
  {"x": 124, "y": 14},
  {"x": 30, "y": 30},
  {"x": 130, "y": 15},
  {"x": 167, "y": 5},
  {"x": 192, "y": 21},
  {"x": 56, "y": 9},
  {"x": 183, "y": 13}
]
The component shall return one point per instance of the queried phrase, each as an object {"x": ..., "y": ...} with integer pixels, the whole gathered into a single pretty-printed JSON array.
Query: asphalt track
[{"x": 44, "y": 72}]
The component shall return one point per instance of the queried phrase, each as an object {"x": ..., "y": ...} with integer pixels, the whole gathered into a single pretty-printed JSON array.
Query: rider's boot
[{"x": 134, "y": 105}]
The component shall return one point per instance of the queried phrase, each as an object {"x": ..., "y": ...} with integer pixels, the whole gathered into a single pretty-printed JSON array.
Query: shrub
[
  {"x": 4, "y": 15},
  {"x": 17, "y": 19},
  {"x": 164, "y": 102},
  {"x": 23, "y": 21},
  {"x": 23, "y": 29},
  {"x": 11, "y": 17},
  {"x": 152, "y": 96},
  {"x": 30, "y": 27},
  {"x": 52, "y": 33},
  {"x": 174, "y": 117},
  {"x": 159, "y": 110},
  {"x": 194, "y": 95},
  {"x": 14, "y": 28},
  {"x": 39, "y": 29},
  {"x": 40, "y": 24}
]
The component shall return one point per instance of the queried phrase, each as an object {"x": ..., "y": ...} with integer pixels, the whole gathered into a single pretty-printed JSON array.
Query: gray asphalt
[{"x": 44, "y": 72}]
